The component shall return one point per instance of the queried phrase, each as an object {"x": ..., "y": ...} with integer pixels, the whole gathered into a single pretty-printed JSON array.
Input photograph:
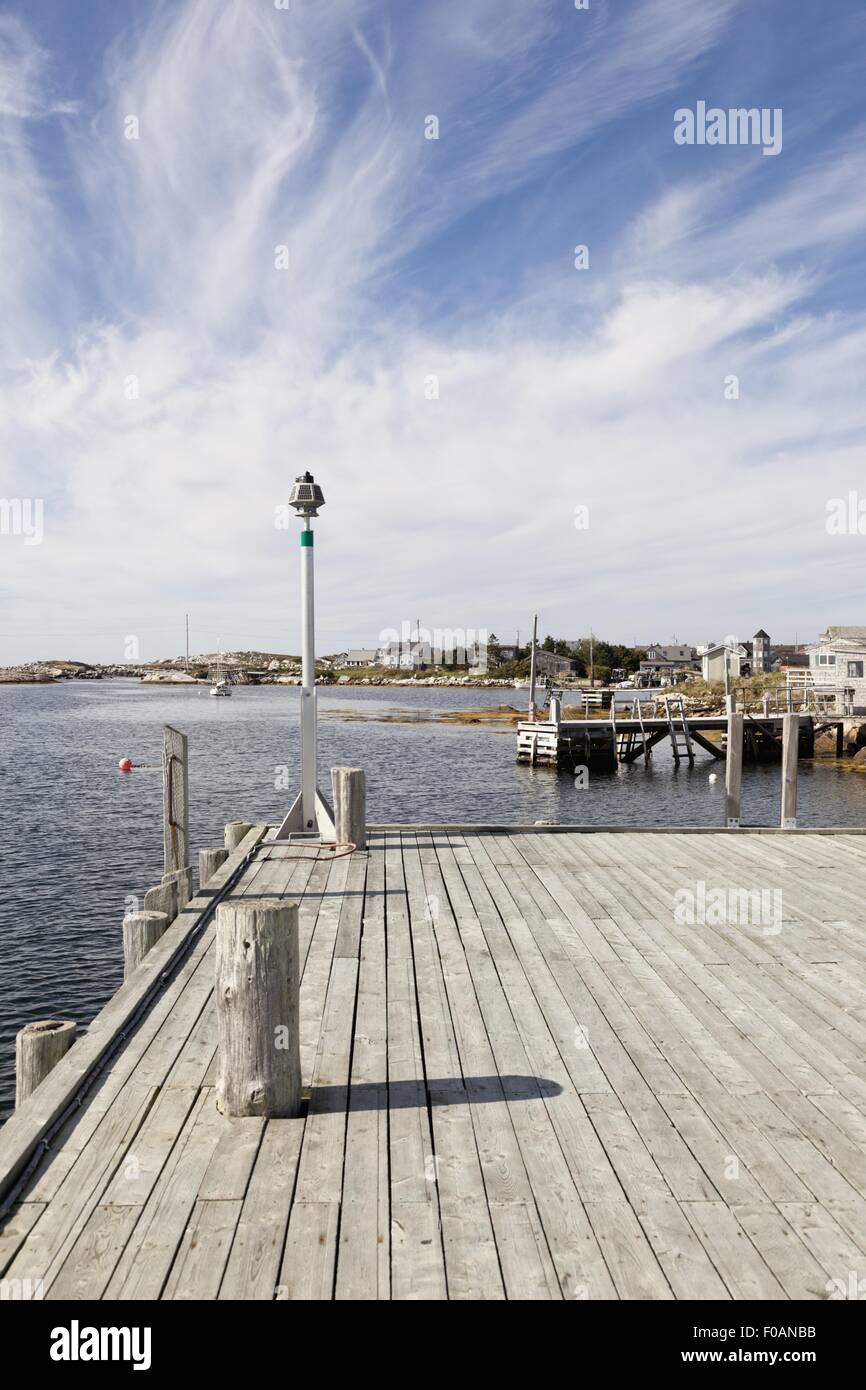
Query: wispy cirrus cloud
[{"x": 163, "y": 379}]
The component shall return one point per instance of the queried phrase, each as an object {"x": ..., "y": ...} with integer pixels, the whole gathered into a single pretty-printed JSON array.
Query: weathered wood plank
[
  {"x": 253, "y": 1267},
  {"x": 307, "y": 1272}
]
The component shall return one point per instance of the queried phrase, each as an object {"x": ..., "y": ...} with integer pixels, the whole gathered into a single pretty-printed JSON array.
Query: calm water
[{"x": 79, "y": 836}]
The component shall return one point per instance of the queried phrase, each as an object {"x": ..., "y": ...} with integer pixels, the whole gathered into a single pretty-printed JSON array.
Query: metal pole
[
  {"x": 187, "y": 642},
  {"x": 308, "y": 682}
]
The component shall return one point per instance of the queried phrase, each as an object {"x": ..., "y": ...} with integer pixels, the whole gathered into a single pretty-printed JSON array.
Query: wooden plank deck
[{"x": 530, "y": 1076}]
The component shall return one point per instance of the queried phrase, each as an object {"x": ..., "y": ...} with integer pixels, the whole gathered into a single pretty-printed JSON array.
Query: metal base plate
[{"x": 293, "y": 826}]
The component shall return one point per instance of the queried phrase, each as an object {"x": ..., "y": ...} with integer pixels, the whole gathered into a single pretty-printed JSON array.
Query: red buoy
[{"x": 125, "y": 765}]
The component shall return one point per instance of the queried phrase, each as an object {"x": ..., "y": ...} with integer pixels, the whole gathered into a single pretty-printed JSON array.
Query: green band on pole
[{"x": 306, "y": 538}]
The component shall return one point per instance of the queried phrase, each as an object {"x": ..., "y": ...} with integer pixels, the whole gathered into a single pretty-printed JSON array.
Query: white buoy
[{"x": 712, "y": 776}]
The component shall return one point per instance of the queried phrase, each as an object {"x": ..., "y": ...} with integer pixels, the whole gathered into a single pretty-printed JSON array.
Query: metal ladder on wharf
[
  {"x": 678, "y": 725},
  {"x": 627, "y": 741}
]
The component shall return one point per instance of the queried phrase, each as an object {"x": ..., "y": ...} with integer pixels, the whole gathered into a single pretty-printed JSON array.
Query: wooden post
[
  {"x": 235, "y": 831},
  {"x": 350, "y": 805},
  {"x": 38, "y": 1048},
  {"x": 733, "y": 766},
  {"x": 175, "y": 799},
  {"x": 257, "y": 994},
  {"x": 209, "y": 860},
  {"x": 790, "y": 754},
  {"x": 555, "y": 709},
  {"x": 163, "y": 898},
  {"x": 183, "y": 879},
  {"x": 766, "y": 704},
  {"x": 532, "y": 668},
  {"x": 141, "y": 931}
]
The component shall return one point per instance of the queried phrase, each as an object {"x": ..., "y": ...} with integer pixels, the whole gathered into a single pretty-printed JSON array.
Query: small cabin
[
  {"x": 722, "y": 656},
  {"x": 837, "y": 661}
]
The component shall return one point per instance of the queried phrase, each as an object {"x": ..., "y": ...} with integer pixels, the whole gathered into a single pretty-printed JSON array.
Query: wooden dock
[
  {"x": 602, "y": 744},
  {"x": 526, "y": 1078}
]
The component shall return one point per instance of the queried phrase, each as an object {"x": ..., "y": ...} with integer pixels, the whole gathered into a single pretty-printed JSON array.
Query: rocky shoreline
[{"x": 275, "y": 671}]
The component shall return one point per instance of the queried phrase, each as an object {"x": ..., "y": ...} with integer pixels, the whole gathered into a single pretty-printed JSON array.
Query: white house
[
  {"x": 407, "y": 656},
  {"x": 362, "y": 656},
  {"x": 837, "y": 661},
  {"x": 719, "y": 655}
]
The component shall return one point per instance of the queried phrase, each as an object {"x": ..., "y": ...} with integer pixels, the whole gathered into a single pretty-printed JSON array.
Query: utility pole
[
  {"x": 591, "y": 662},
  {"x": 187, "y": 644},
  {"x": 532, "y": 668}
]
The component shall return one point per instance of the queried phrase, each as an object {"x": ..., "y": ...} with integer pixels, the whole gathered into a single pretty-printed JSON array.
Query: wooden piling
[
  {"x": 733, "y": 766},
  {"x": 790, "y": 754},
  {"x": 209, "y": 860},
  {"x": 38, "y": 1048},
  {"x": 349, "y": 785},
  {"x": 141, "y": 931},
  {"x": 175, "y": 799},
  {"x": 532, "y": 667},
  {"x": 183, "y": 879},
  {"x": 163, "y": 898},
  {"x": 257, "y": 1003},
  {"x": 235, "y": 831}
]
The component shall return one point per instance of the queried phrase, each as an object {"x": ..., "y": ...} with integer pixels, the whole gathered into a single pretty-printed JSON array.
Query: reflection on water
[{"x": 80, "y": 837}]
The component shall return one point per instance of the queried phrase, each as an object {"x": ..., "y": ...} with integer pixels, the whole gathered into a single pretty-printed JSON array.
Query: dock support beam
[
  {"x": 350, "y": 805},
  {"x": 183, "y": 879},
  {"x": 38, "y": 1049},
  {"x": 163, "y": 899},
  {"x": 257, "y": 1003},
  {"x": 733, "y": 766},
  {"x": 790, "y": 754},
  {"x": 141, "y": 931},
  {"x": 209, "y": 860},
  {"x": 175, "y": 799}
]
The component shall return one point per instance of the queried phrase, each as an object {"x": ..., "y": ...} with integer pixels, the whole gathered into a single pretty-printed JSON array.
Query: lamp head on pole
[{"x": 306, "y": 496}]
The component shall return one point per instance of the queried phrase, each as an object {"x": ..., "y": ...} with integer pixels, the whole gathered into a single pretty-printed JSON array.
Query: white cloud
[{"x": 706, "y": 514}]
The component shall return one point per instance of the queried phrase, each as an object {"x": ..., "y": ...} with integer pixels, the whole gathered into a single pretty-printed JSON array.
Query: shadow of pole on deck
[{"x": 405, "y": 1095}]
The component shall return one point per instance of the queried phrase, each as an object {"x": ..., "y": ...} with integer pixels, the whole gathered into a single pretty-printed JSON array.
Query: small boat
[{"x": 218, "y": 676}]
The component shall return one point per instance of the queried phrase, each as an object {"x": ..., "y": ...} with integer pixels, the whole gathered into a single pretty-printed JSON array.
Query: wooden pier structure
[
  {"x": 602, "y": 744},
  {"x": 526, "y": 1075}
]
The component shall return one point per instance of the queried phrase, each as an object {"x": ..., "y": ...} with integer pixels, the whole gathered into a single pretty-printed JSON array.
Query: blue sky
[{"x": 431, "y": 351}]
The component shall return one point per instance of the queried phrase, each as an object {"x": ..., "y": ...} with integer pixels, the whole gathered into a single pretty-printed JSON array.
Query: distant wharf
[{"x": 605, "y": 743}]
